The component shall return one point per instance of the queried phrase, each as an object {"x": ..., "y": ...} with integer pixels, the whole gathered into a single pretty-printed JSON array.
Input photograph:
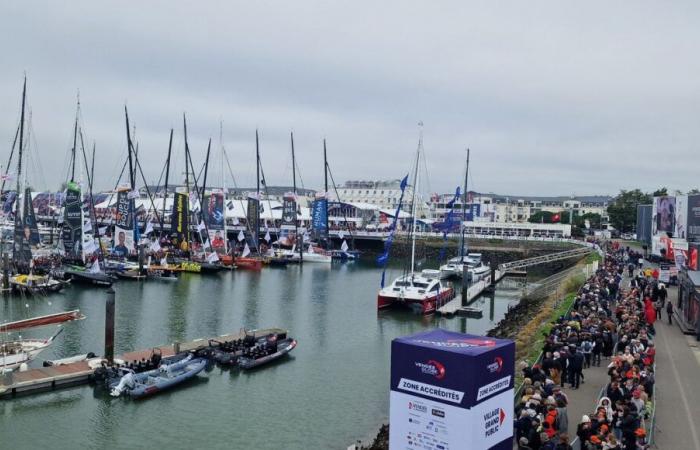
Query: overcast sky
[{"x": 551, "y": 97}]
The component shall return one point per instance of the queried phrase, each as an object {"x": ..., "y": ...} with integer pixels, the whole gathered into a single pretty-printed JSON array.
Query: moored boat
[
  {"x": 167, "y": 376},
  {"x": 271, "y": 351},
  {"x": 422, "y": 292}
]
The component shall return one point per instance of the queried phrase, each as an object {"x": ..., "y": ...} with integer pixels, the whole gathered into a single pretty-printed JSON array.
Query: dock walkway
[{"x": 473, "y": 292}]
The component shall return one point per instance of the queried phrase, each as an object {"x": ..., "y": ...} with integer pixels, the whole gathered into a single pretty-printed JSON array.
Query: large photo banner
[
  {"x": 72, "y": 220},
  {"x": 215, "y": 221},
  {"x": 31, "y": 229},
  {"x": 680, "y": 221},
  {"x": 693, "y": 217},
  {"x": 124, "y": 224},
  {"x": 451, "y": 390},
  {"x": 665, "y": 214}
]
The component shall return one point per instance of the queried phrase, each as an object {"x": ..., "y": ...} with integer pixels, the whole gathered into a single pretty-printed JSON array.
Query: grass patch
[{"x": 593, "y": 257}]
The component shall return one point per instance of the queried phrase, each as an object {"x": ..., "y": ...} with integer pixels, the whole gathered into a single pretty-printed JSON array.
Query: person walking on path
[{"x": 669, "y": 311}]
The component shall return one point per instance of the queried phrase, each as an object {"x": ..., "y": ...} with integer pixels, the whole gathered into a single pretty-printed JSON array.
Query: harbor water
[{"x": 331, "y": 391}]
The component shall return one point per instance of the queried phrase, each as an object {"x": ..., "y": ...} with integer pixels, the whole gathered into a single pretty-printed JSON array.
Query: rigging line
[
  {"x": 93, "y": 213},
  {"x": 9, "y": 161},
  {"x": 235, "y": 185},
  {"x": 148, "y": 190},
  {"x": 337, "y": 194}
]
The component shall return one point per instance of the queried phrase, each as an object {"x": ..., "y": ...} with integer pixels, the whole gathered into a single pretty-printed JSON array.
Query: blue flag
[{"x": 384, "y": 257}]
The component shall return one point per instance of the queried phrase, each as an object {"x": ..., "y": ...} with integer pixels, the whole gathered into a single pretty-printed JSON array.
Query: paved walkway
[{"x": 677, "y": 387}]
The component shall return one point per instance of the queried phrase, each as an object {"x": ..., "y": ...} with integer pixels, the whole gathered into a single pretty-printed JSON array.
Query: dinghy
[{"x": 167, "y": 376}]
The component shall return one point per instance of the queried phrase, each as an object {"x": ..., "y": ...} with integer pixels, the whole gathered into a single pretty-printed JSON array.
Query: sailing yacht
[{"x": 423, "y": 292}]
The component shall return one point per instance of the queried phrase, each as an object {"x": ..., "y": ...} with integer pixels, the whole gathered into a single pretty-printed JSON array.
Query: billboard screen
[
  {"x": 644, "y": 214},
  {"x": 693, "y": 218},
  {"x": 664, "y": 214}
]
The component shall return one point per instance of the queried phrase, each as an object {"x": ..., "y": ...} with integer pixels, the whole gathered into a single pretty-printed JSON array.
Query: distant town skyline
[{"x": 555, "y": 98}]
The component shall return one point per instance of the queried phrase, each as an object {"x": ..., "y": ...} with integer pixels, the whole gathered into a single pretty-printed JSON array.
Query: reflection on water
[{"x": 333, "y": 390}]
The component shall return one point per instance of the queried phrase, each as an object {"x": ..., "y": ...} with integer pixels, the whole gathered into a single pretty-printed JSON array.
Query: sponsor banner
[
  {"x": 493, "y": 388},
  {"x": 254, "y": 219},
  {"x": 430, "y": 391},
  {"x": 319, "y": 215},
  {"x": 215, "y": 221},
  {"x": 473, "y": 211},
  {"x": 418, "y": 424},
  {"x": 644, "y": 226},
  {"x": 693, "y": 217},
  {"x": 180, "y": 214},
  {"x": 72, "y": 221},
  {"x": 215, "y": 211},
  {"x": 492, "y": 421},
  {"x": 31, "y": 230},
  {"x": 289, "y": 213},
  {"x": 124, "y": 224},
  {"x": 680, "y": 221},
  {"x": 664, "y": 214}
]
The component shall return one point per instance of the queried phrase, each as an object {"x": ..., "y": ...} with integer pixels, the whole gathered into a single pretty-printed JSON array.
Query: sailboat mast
[
  {"x": 325, "y": 187},
  {"x": 413, "y": 202},
  {"x": 257, "y": 165},
  {"x": 187, "y": 174},
  {"x": 206, "y": 171},
  {"x": 300, "y": 239},
  {"x": 223, "y": 183},
  {"x": 465, "y": 197},
  {"x": 129, "y": 149},
  {"x": 21, "y": 143},
  {"x": 75, "y": 140},
  {"x": 167, "y": 178}
]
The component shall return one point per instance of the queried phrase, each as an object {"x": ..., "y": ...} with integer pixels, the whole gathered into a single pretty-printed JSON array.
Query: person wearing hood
[
  {"x": 584, "y": 430},
  {"x": 605, "y": 403}
]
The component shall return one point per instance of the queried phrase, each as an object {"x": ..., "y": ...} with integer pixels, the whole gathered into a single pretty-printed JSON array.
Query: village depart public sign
[{"x": 451, "y": 391}]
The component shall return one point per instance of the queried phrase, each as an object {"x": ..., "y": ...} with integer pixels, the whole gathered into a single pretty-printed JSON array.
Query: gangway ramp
[{"x": 544, "y": 259}]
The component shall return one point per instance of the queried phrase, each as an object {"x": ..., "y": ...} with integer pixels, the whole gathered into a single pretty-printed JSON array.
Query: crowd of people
[{"x": 611, "y": 325}]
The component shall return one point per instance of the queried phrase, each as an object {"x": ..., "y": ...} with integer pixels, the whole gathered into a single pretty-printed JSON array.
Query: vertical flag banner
[
  {"x": 253, "y": 217},
  {"x": 72, "y": 220},
  {"x": 289, "y": 211},
  {"x": 384, "y": 257},
  {"x": 215, "y": 221},
  {"x": 319, "y": 215},
  {"x": 180, "y": 214},
  {"x": 124, "y": 224}
]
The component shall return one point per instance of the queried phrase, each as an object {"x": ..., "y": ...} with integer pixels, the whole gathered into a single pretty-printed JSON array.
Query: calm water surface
[{"x": 330, "y": 392}]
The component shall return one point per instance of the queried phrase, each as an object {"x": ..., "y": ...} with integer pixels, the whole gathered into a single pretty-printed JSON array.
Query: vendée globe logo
[
  {"x": 433, "y": 368},
  {"x": 496, "y": 365}
]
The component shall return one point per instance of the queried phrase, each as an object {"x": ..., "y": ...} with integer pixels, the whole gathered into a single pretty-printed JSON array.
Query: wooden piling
[
  {"x": 109, "y": 326},
  {"x": 5, "y": 271}
]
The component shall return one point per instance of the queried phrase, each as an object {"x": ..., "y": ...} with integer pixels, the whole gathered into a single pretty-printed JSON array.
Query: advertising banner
[
  {"x": 680, "y": 221},
  {"x": 215, "y": 221},
  {"x": 180, "y": 214},
  {"x": 473, "y": 211},
  {"x": 72, "y": 221},
  {"x": 319, "y": 215},
  {"x": 253, "y": 217},
  {"x": 452, "y": 391},
  {"x": 693, "y": 218},
  {"x": 124, "y": 224},
  {"x": 31, "y": 229},
  {"x": 644, "y": 215},
  {"x": 289, "y": 212},
  {"x": 664, "y": 214}
]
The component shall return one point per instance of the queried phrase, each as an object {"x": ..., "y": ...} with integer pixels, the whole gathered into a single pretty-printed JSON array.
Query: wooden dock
[
  {"x": 49, "y": 378},
  {"x": 476, "y": 289}
]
